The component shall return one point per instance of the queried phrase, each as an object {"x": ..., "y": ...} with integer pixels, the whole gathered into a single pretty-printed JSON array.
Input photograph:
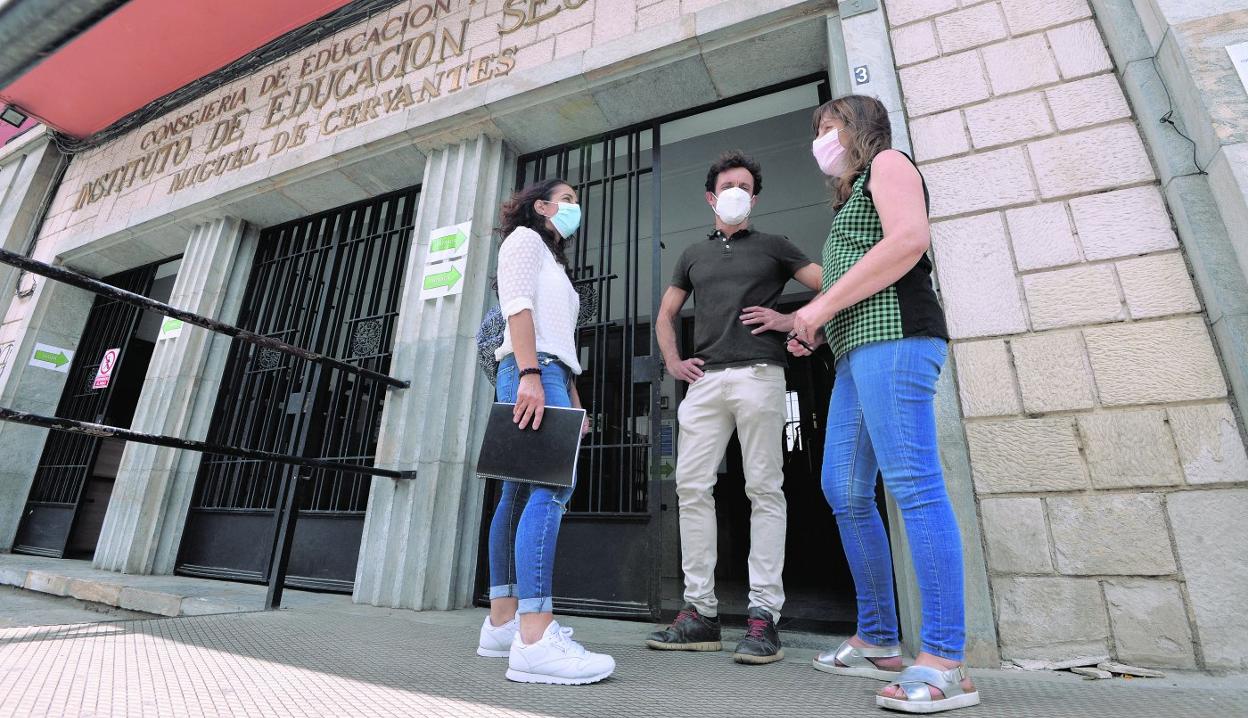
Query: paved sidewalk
[{"x": 338, "y": 659}]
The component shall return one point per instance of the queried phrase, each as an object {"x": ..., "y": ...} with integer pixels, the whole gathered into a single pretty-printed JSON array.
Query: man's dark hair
[{"x": 732, "y": 160}]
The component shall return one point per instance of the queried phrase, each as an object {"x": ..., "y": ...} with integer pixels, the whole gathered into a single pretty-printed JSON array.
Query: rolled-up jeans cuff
[
  {"x": 946, "y": 653},
  {"x": 507, "y": 591},
  {"x": 536, "y": 605}
]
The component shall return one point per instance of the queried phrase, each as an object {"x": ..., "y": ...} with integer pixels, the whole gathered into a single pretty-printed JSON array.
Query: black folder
[{"x": 546, "y": 456}]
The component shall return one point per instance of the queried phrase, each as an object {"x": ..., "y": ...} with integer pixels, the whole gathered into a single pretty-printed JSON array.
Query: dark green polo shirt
[{"x": 727, "y": 274}]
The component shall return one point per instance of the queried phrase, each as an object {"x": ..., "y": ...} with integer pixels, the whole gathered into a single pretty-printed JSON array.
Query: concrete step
[{"x": 170, "y": 596}]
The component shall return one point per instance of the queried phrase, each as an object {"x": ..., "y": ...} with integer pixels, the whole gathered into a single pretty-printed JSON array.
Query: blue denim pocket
[{"x": 508, "y": 382}]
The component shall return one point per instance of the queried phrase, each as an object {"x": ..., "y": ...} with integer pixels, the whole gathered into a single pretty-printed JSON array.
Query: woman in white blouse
[{"x": 537, "y": 363}]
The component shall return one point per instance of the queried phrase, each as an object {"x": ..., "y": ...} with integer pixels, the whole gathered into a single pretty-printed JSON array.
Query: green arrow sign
[
  {"x": 170, "y": 328},
  {"x": 666, "y": 470},
  {"x": 59, "y": 358},
  {"x": 448, "y": 242},
  {"x": 52, "y": 358},
  {"x": 447, "y": 279}
]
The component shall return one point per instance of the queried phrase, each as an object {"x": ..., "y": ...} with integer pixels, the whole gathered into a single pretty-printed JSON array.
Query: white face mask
[{"x": 733, "y": 205}]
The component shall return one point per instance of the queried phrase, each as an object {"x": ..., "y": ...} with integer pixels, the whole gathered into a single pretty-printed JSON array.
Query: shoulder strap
[{"x": 866, "y": 183}]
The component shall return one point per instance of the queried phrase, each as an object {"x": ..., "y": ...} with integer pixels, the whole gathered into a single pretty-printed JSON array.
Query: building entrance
[
  {"x": 72, "y": 485},
  {"x": 330, "y": 283},
  {"x": 775, "y": 129},
  {"x": 619, "y": 547}
]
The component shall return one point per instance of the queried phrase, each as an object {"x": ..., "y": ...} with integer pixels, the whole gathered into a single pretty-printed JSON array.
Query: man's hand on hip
[
  {"x": 688, "y": 370},
  {"x": 766, "y": 320}
]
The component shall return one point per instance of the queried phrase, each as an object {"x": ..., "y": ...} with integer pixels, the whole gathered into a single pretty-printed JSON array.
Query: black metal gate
[
  {"x": 68, "y": 459},
  {"x": 609, "y": 543},
  {"x": 330, "y": 283}
]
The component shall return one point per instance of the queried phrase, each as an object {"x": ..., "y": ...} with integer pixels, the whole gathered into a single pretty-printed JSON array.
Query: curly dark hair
[
  {"x": 518, "y": 212},
  {"x": 732, "y": 160}
]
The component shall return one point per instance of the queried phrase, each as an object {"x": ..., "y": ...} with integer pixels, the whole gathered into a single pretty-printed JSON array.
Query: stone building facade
[
  {"x": 1091, "y": 261},
  {"x": 1108, "y": 461}
]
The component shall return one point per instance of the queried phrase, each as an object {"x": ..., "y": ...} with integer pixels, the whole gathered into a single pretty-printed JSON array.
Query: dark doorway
[
  {"x": 775, "y": 129},
  {"x": 819, "y": 593},
  {"x": 818, "y": 586},
  {"x": 640, "y": 189},
  {"x": 330, "y": 283},
  {"x": 74, "y": 480}
]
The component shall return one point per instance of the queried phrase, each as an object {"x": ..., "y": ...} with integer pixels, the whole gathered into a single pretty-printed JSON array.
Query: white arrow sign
[
  {"x": 46, "y": 356},
  {"x": 443, "y": 279},
  {"x": 449, "y": 242},
  {"x": 1239, "y": 58}
]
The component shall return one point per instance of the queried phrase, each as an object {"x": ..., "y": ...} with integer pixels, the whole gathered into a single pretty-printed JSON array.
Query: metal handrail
[
  {"x": 103, "y": 431},
  {"x": 82, "y": 281},
  {"x": 286, "y": 513}
]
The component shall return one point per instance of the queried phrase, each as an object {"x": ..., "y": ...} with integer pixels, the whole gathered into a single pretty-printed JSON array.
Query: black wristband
[{"x": 530, "y": 370}]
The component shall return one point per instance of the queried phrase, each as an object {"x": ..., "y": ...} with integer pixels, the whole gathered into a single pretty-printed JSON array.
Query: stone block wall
[{"x": 1108, "y": 462}]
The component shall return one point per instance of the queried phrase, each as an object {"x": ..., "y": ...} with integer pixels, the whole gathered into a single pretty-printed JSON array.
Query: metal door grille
[
  {"x": 613, "y": 253},
  {"x": 330, "y": 283},
  {"x": 67, "y": 459}
]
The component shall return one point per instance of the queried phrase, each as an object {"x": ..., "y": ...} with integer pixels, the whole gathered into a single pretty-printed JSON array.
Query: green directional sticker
[
  {"x": 170, "y": 328},
  {"x": 59, "y": 358},
  {"x": 448, "y": 242},
  {"x": 46, "y": 356},
  {"x": 442, "y": 279},
  {"x": 447, "y": 279}
]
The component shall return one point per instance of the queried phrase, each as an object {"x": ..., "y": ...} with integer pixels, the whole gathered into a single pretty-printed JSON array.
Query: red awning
[{"x": 147, "y": 49}]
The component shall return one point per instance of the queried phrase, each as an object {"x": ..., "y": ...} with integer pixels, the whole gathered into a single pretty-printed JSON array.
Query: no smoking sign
[{"x": 105, "y": 373}]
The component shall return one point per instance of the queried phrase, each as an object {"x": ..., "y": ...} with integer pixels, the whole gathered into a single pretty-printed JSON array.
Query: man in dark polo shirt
[{"x": 736, "y": 377}]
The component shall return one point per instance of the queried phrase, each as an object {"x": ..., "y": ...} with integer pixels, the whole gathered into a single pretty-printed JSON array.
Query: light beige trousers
[{"x": 751, "y": 400}]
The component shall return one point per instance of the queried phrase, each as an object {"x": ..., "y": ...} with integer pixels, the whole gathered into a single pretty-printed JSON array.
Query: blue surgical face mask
[{"x": 567, "y": 219}]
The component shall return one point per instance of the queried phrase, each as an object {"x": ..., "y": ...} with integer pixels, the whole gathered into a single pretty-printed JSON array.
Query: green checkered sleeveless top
[{"x": 905, "y": 309}]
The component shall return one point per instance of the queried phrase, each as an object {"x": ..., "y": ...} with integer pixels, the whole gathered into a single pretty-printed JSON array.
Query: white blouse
[{"x": 530, "y": 278}]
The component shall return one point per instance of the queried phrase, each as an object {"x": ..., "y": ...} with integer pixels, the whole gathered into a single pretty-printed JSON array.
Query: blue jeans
[
  {"x": 882, "y": 418},
  {"x": 525, "y": 527}
]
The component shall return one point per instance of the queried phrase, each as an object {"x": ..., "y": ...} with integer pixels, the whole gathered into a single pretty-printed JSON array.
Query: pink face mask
[{"x": 829, "y": 153}]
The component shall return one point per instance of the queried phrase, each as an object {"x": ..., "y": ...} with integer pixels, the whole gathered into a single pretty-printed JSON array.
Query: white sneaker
[
  {"x": 557, "y": 659},
  {"x": 496, "y": 640}
]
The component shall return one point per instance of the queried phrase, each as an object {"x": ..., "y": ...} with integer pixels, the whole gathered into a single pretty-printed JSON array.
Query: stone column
[
  {"x": 27, "y": 169},
  {"x": 866, "y": 45},
  {"x": 57, "y": 318},
  {"x": 419, "y": 545},
  {"x": 1170, "y": 55},
  {"x": 147, "y": 510}
]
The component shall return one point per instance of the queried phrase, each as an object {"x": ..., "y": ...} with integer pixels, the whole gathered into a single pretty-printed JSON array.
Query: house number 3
[{"x": 861, "y": 75}]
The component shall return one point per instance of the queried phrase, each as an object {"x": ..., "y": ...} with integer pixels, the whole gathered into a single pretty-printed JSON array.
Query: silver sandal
[
  {"x": 918, "y": 681},
  {"x": 853, "y": 661}
]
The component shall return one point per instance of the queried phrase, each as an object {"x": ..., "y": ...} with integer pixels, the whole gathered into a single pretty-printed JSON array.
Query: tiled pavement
[{"x": 337, "y": 659}]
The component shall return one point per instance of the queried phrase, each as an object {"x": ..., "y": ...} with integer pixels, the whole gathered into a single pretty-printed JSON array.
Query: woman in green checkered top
[{"x": 879, "y": 314}]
